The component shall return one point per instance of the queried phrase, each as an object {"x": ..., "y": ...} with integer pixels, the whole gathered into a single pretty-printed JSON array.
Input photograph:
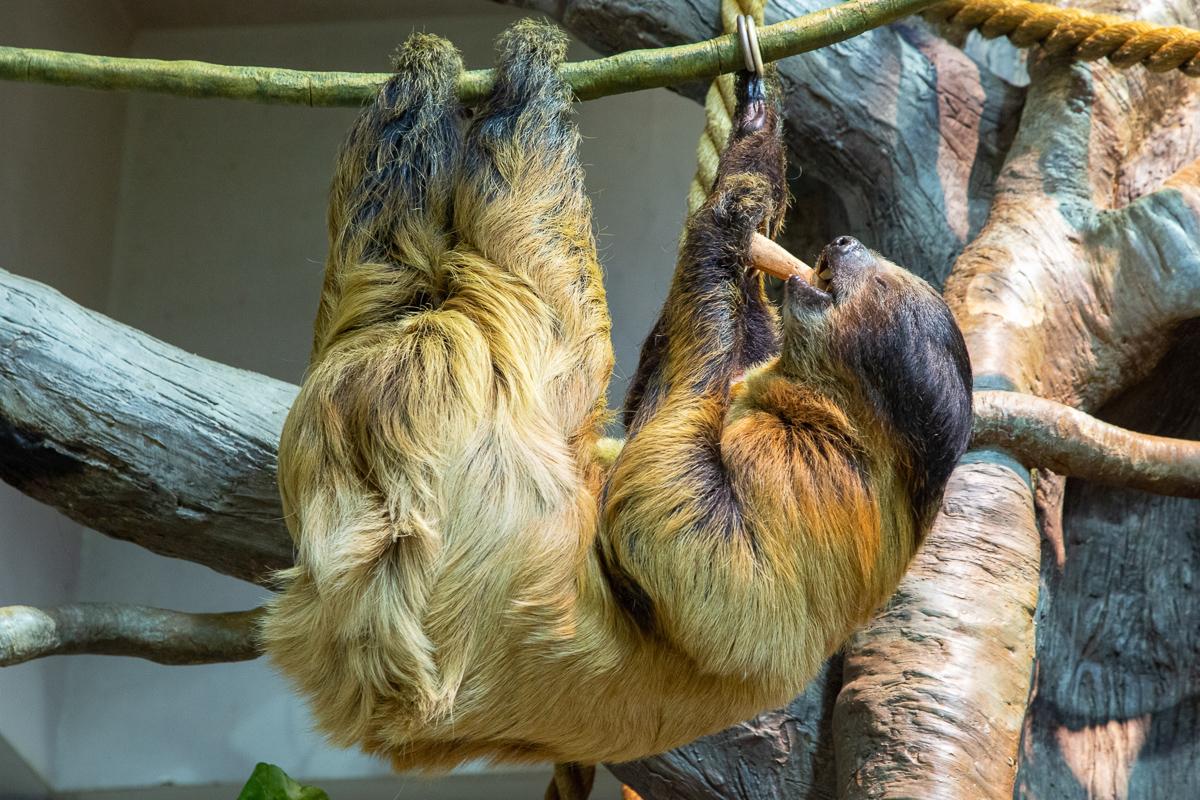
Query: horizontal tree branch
[
  {"x": 155, "y": 634},
  {"x": 138, "y": 439},
  {"x": 1049, "y": 435},
  {"x": 627, "y": 72}
]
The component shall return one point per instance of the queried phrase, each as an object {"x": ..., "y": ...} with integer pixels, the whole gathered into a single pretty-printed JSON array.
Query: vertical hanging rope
[{"x": 718, "y": 108}]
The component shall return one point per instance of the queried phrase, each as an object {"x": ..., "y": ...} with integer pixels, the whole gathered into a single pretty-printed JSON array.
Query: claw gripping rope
[{"x": 719, "y": 104}]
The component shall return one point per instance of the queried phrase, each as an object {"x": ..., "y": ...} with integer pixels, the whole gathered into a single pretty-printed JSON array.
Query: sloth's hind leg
[
  {"x": 389, "y": 208},
  {"x": 521, "y": 206},
  {"x": 392, "y": 395}
]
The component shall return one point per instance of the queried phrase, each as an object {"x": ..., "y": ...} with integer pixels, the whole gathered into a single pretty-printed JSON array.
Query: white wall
[
  {"x": 59, "y": 165},
  {"x": 218, "y": 243}
]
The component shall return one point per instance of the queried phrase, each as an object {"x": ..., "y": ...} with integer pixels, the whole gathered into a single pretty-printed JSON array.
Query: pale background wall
[
  {"x": 202, "y": 222},
  {"x": 59, "y": 162}
]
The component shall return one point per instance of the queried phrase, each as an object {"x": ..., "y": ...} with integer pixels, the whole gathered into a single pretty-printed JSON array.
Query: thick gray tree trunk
[{"x": 138, "y": 439}]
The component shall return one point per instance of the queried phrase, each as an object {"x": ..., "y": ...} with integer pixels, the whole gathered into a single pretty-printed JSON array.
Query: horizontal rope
[{"x": 1080, "y": 35}]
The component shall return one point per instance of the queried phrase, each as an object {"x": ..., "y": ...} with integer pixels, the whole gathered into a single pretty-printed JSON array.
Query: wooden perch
[
  {"x": 1043, "y": 433},
  {"x": 627, "y": 72},
  {"x": 155, "y": 634}
]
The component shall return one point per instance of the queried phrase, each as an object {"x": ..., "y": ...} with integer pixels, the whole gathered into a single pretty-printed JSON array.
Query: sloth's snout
[
  {"x": 841, "y": 260},
  {"x": 845, "y": 251}
]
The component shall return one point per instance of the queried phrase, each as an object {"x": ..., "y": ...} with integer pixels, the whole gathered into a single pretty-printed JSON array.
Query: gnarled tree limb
[
  {"x": 155, "y": 634},
  {"x": 1053, "y": 436}
]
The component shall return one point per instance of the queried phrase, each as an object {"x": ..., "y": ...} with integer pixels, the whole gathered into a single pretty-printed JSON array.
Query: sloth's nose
[{"x": 845, "y": 254}]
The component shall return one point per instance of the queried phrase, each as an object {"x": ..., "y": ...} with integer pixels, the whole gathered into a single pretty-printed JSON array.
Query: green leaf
[{"x": 269, "y": 782}]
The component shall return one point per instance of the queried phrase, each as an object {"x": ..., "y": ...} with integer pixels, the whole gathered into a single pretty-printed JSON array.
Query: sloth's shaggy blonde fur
[{"x": 471, "y": 580}]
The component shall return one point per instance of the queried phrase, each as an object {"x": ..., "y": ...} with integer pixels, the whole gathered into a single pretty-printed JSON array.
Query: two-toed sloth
[{"x": 471, "y": 579}]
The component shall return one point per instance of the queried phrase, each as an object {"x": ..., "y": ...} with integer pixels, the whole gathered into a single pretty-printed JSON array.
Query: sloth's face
[
  {"x": 883, "y": 340},
  {"x": 848, "y": 275},
  {"x": 861, "y": 311}
]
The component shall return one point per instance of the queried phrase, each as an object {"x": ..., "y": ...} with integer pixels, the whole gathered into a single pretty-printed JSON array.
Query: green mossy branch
[{"x": 626, "y": 72}]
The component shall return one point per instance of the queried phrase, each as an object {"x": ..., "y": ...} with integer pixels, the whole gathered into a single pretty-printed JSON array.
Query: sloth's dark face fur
[{"x": 888, "y": 337}]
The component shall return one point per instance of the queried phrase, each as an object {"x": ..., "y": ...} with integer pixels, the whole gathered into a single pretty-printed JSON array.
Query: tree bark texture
[
  {"x": 138, "y": 439},
  {"x": 780, "y": 755},
  {"x": 1115, "y": 710},
  {"x": 1063, "y": 221},
  {"x": 155, "y": 634}
]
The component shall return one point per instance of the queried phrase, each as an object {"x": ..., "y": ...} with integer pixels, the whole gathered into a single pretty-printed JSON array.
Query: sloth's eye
[{"x": 879, "y": 280}]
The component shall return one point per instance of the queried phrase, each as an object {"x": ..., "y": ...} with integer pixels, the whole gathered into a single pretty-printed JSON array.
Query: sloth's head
[{"x": 883, "y": 341}]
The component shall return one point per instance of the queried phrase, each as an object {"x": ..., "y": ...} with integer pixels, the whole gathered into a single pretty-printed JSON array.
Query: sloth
[{"x": 477, "y": 575}]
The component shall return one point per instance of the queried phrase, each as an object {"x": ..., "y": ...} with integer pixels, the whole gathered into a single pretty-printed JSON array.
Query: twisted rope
[
  {"x": 719, "y": 104},
  {"x": 1082, "y": 35}
]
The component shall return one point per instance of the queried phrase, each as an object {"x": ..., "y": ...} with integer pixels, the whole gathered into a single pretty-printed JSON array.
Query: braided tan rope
[
  {"x": 1082, "y": 35},
  {"x": 719, "y": 104}
]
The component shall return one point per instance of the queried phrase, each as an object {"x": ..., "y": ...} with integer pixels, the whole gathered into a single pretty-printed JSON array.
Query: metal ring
[
  {"x": 744, "y": 42},
  {"x": 755, "y": 52}
]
